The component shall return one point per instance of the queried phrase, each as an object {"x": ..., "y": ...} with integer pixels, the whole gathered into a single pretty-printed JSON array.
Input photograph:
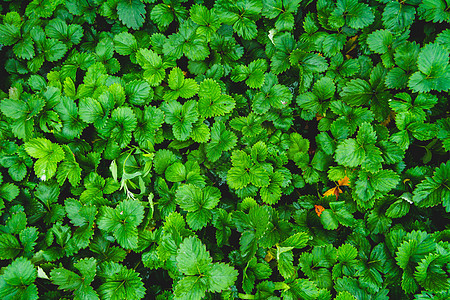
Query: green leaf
[
  {"x": 28, "y": 238},
  {"x": 198, "y": 203},
  {"x": 120, "y": 126},
  {"x": 329, "y": 220},
  {"x": 434, "y": 10},
  {"x": 9, "y": 191},
  {"x": 333, "y": 44},
  {"x": 415, "y": 246},
  {"x": 163, "y": 158},
  {"x": 92, "y": 111},
  {"x": 380, "y": 41},
  {"x": 68, "y": 113},
  {"x": 271, "y": 193},
  {"x": 131, "y": 13},
  {"x": 139, "y": 92},
  {"x": 369, "y": 183},
  {"x": 422, "y": 131},
  {"x": 68, "y": 169},
  {"x": 148, "y": 124},
  {"x": 349, "y": 153},
  {"x": 304, "y": 289},
  {"x": 54, "y": 50},
  {"x": 19, "y": 109},
  {"x": 162, "y": 14},
  {"x": 48, "y": 155},
  {"x": 259, "y": 176},
  {"x": 190, "y": 287},
  {"x": 356, "y": 92},
  {"x": 346, "y": 253},
  {"x": 221, "y": 277},
  {"x": 398, "y": 209},
  {"x": 298, "y": 149},
  {"x": 434, "y": 70},
  {"x": 398, "y": 16},
  {"x": 212, "y": 102},
  {"x": 58, "y": 29},
  {"x": 221, "y": 140},
  {"x": 434, "y": 190},
  {"x": 284, "y": 44},
  {"x": 121, "y": 283},
  {"x": 238, "y": 177},
  {"x": 286, "y": 266},
  {"x": 24, "y": 49},
  {"x": 344, "y": 296},
  {"x": 430, "y": 275},
  {"x": 272, "y": 95},
  {"x": 181, "y": 117},
  {"x": 9, "y": 34},
  {"x": 207, "y": 19},
  {"x": 192, "y": 257},
  {"x": 357, "y": 15},
  {"x": 125, "y": 43},
  {"x": 17, "y": 280},
  {"x": 9, "y": 246},
  {"x": 70, "y": 281},
  {"x": 256, "y": 73},
  {"x": 153, "y": 65},
  {"x": 122, "y": 222},
  {"x": 185, "y": 88},
  {"x": 194, "y": 261}
]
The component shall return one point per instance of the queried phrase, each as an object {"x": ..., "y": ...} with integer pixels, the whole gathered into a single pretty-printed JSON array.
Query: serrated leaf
[
  {"x": 434, "y": 190},
  {"x": 21, "y": 272},
  {"x": 122, "y": 222},
  {"x": 397, "y": 16},
  {"x": 221, "y": 140},
  {"x": 125, "y": 43},
  {"x": 9, "y": 34},
  {"x": 346, "y": 253},
  {"x": 131, "y": 13},
  {"x": 198, "y": 202},
  {"x": 153, "y": 65},
  {"x": 434, "y": 70},
  {"x": 181, "y": 117},
  {"x": 356, "y": 92},
  {"x": 121, "y": 283},
  {"x": 380, "y": 41},
  {"x": 48, "y": 155},
  {"x": 192, "y": 257},
  {"x": 9, "y": 246},
  {"x": 211, "y": 101}
]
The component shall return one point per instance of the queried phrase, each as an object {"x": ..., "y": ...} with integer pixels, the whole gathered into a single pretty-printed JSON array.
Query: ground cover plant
[{"x": 229, "y": 149}]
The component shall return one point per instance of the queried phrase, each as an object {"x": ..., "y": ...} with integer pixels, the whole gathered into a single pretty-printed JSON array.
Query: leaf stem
[{"x": 246, "y": 296}]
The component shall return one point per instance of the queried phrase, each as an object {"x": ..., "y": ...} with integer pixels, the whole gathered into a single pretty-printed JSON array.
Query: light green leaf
[
  {"x": 48, "y": 155},
  {"x": 122, "y": 222},
  {"x": 153, "y": 65},
  {"x": 125, "y": 43},
  {"x": 221, "y": 140},
  {"x": 211, "y": 101},
  {"x": 192, "y": 257}
]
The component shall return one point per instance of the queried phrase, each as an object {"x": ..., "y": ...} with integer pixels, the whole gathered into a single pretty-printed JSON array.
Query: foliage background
[{"x": 277, "y": 149}]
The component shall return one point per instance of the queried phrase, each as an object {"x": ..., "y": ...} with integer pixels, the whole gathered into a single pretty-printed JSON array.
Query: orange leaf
[
  {"x": 330, "y": 192},
  {"x": 319, "y": 209},
  {"x": 319, "y": 117},
  {"x": 344, "y": 181}
]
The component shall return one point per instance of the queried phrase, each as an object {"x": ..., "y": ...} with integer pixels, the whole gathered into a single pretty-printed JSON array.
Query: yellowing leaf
[
  {"x": 336, "y": 190},
  {"x": 319, "y": 209},
  {"x": 344, "y": 182}
]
